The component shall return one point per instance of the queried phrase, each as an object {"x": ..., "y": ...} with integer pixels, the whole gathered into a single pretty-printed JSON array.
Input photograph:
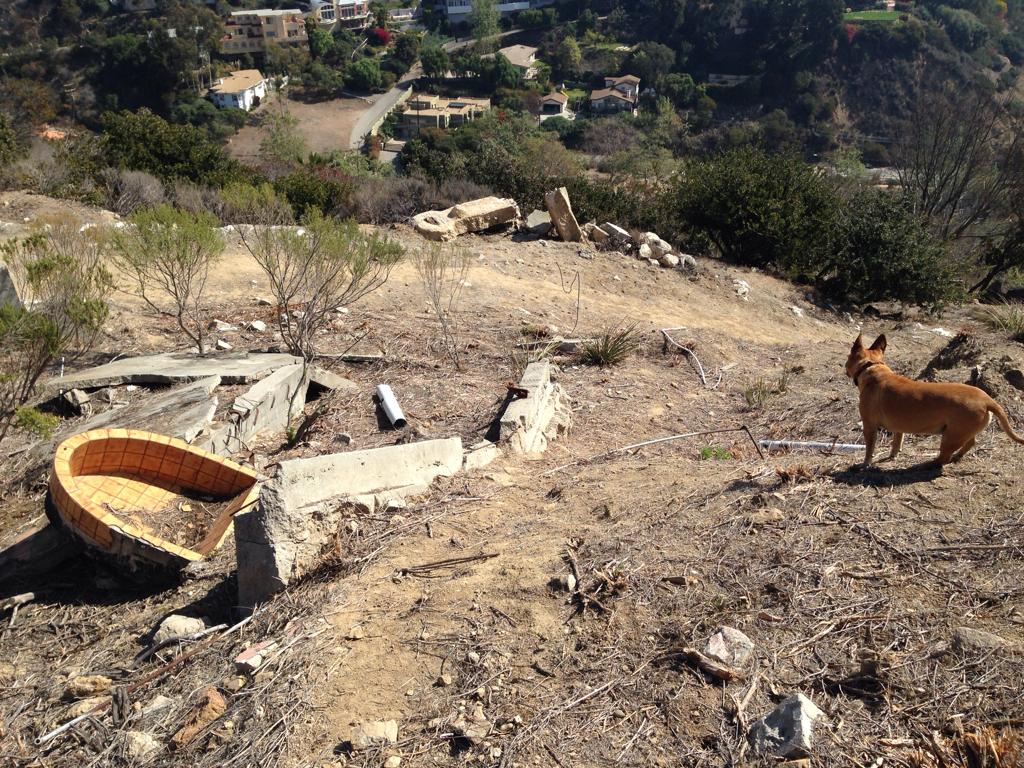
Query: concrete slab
[
  {"x": 528, "y": 423},
  {"x": 302, "y": 507},
  {"x": 557, "y": 203},
  {"x": 8, "y": 293},
  {"x": 472, "y": 216},
  {"x": 175, "y": 368}
]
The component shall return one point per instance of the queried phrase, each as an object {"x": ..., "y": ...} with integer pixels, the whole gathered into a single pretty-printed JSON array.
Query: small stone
[
  {"x": 87, "y": 686},
  {"x": 223, "y": 346},
  {"x": 797, "y": 311},
  {"x": 344, "y": 438},
  {"x": 177, "y": 625},
  {"x": 786, "y": 730},
  {"x": 365, "y": 735},
  {"x": 393, "y": 762},
  {"x": 140, "y": 745},
  {"x": 478, "y": 715},
  {"x": 221, "y": 327},
  {"x": 77, "y": 399},
  {"x": 443, "y": 681},
  {"x": 473, "y": 657},
  {"x": 259, "y": 301},
  {"x": 256, "y": 325},
  {"x": 356, "y": 633},
  {"x": 668, "y": 260},
  {"x": 566, "y": 583},
  {"x": 687, "y": 262},
  {"x": 730, "y": 646},
  {"x": 157, "y": 704},
  {"x": 979, "y": 641},
  {"x": 252, "y": 658},
  {"x": 645, "y": 252},
  {"x": 473, "y": 731},
  {"x": 234, "y": 683},
  {"x": 742, "y": 288},
  {"x": 653, "y": 263}
]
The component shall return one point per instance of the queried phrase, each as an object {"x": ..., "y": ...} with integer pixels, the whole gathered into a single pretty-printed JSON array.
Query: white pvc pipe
[
  {"x": 774, "y": 445},
  {"x": 389, "y": 403}
]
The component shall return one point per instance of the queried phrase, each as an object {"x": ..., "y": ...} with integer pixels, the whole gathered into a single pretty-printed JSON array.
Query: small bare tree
[
  {"x": 63, "y": 286},
  {"x": 443, "y": 270},
  {"x": 314, "y": 268},
  {"x": 169, "y": 252}
]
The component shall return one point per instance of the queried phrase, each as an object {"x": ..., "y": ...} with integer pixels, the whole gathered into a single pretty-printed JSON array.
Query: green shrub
[
  {"x": 612, "y": 347},
  {"x": 716, "y": 452}
]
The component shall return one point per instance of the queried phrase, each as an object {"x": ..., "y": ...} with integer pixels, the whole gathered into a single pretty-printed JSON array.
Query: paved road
[
  {"x": 387, "y": 101},
  {"x": 381, "y": 106}
]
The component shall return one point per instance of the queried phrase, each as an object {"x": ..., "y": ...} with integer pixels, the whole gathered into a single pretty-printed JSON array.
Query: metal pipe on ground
[
  {"x": 389, "y": 403},
  {"x": 796, "y": 445}
]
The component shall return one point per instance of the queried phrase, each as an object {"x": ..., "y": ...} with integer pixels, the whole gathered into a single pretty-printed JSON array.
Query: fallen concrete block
[
  {"x": 175, "y": 368},
  {"x": 598, "y": 235},
  {"x": 558, "y": 205},
  {"x": 366, "y": 735},
  {"x": 538, "y": 223},
  {"x": 472, "y": 216},
  {"x": 78, "y": 401},
  {"x": 8, "y": 293},
  {"x": 528, "y": 423},
  {"x": 302, "y": 507},
  {"x": 183, "y": 412},
  {"x": 329, "y": 380},
  {"x": 480, "y": 455},
  {"x": 270, "y": 404},
  {"x": 618, "y": 235},
  {"x": 668, "y": 260}
]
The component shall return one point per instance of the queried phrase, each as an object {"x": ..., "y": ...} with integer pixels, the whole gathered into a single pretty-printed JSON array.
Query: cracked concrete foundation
[
  {"x": 302, "y": 506},
  {"x": 530, "y": 422}
]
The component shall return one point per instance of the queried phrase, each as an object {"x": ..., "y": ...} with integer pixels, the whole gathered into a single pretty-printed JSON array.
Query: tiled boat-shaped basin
[{"x": 110, "y": 487}]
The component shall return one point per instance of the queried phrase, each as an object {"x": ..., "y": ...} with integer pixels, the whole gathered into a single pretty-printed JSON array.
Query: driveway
[{"x": 382, "y": 106}]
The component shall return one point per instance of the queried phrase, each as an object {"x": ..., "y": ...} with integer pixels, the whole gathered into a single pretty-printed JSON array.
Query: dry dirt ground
[
  {"x": 851, "y": 583},
  {"x": 325, "y": 125}
]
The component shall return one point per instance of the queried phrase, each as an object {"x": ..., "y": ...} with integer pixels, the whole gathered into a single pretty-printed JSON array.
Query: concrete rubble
[
  {"x": 479, "y": 455},
  {"x": 557, "y": 203},
  {"x": 617, "y": 234},
  {"x": 472, "y": 216},
  {"x": 538, "y": 223},
  {"x": 786, "y": 731},
  {"x": 303, "y": 506},
  {"x": 140, "y": 745},
  {"x": 528, "y": 423},
  {"x": 176, "y": 368}
]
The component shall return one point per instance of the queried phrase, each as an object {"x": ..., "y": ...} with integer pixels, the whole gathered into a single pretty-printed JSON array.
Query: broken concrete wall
[
  {"x": 473, "y": 216},
  {"x": 528, "y": 423},
  {"x": 301, "y": 508},
  {"x": 271, "y": 404}
]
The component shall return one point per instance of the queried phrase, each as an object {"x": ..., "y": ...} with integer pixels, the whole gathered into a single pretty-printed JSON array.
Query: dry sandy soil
[
  {"x": 851, "y": 583},
  {"x": 325, "y": 125}
]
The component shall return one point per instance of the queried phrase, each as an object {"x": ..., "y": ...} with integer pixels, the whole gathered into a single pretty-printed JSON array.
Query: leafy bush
[
  {"x": 379, "y": 36},
  {"x": 59, "y": 274},
  {"x": 320, "y": 188},
  {"x": 364, "y": 75}
]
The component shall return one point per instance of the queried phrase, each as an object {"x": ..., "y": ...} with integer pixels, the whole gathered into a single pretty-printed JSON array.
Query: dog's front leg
[{"x": 870, "y": 436}]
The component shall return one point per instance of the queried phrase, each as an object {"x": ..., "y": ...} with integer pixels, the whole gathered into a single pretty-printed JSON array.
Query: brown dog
[{"x": 958, "y": 412}]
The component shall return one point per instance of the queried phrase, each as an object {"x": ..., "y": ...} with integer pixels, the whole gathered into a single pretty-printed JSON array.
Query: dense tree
[
  {"x": 791, "y": 36},
  {"x": 483, "y": 20},
  {"x": 9, "y": 146},
  {"x": 680, "y": 88},
  {"x": 434, "y": 61},
  {"x": 499, "y": 72},
  {"x": 407, "y": 49},
  {"x": 322, "y": 80},
  {"x": 364, "y": 75},
  {"x": 64, "y": 20},
  {"x": 321, "y": 43},
  {"x": 650, "y": 62},
  {"x": 143, "y": 141},
  {"x": 568, "y": 58}
]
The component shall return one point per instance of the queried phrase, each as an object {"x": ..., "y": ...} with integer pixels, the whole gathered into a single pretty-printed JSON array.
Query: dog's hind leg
[
  {"x": 951, "y": 444},
  {"x": 964, "y": 449}
]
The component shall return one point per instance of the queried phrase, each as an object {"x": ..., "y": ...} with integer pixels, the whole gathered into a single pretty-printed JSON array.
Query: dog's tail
[{"x": 1004, "y": 421}]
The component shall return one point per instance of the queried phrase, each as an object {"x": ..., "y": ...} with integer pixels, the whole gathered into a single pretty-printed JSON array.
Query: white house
[
  {"x": 459, "y": 10},
  {"x": 522, "y": 57},
  {"x": 243, "y": 89}
]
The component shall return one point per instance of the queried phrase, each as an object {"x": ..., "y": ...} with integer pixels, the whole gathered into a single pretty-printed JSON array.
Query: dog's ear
[
  {"x": 879, "y": 343},
  {"x": 858, "y": 343}
]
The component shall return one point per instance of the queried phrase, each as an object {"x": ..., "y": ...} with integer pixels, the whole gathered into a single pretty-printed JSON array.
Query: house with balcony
[
  {"x": 620, "y": 94},
  {"x": 243, "y": 89},
  {"x": 252, "y": 31},
  {"x": 424, "y": 110},
  {"x": 458, "y": 10},
  {"x": 349, "y": 14}
]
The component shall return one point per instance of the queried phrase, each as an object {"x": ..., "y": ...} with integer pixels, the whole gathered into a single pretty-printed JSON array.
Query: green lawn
[{"x": 872, "y": 16}]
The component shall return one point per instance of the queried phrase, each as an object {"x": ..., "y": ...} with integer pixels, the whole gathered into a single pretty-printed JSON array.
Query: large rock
[
  {"x": 175, "y": 368},
  {"x": 618, "y": 235},
  {"x": 529, "y": 422},
  {"x": 474, "y": 216},
  {"x": 369, "y": 734},
  {"x": 538, "y": 223},
  {"x": 8, "y": 293},
  {"x": 302, "y": 507},
  {"x": 558, "y": 205},
  {"x": 657, "y": 245},
  {"x": 786, "y": 731}
]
